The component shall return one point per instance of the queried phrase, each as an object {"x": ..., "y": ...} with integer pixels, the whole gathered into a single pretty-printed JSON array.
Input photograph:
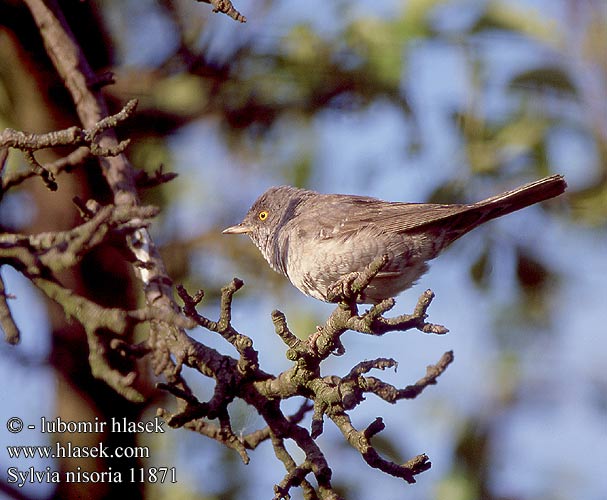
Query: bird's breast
[{"x": 315, "y": 260}]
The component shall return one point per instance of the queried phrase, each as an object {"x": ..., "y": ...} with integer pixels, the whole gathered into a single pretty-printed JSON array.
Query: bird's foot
[{"x": 343, "y": 290}]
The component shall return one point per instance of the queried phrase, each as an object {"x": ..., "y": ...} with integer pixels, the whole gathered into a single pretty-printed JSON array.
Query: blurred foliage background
[{"x": 416, "y": 100}]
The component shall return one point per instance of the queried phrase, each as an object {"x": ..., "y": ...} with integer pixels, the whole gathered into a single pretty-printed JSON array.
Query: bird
[{"x": 316, "y": 239}]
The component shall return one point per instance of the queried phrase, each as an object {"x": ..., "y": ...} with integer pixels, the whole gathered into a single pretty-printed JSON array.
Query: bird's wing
[{"x": 352, "y": 214}]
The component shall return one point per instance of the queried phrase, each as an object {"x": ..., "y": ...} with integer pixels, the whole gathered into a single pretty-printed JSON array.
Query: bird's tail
[
  {"x": 502, "y": 204},
  {"x": 521, "y": 197}
]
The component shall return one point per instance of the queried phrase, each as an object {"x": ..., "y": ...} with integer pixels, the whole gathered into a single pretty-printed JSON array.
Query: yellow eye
[{"x": 263, "y": 215}]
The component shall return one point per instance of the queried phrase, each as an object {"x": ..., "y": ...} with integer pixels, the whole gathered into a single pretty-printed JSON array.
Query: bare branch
[
  {"x": 62, "y": 249},
  {"x": 73, "y": 67},
  {"x": 11, "y": 331},
  {"x": 145, "y": 180},
  {"x": 73, "y": 136},
  {"x": 253, "y": 439},
  {"x": 3, "y": 158},
  {"x": 391, "y": 394},
  {"x": 360, "y": 441},
  {"x": 296, "y": 473},
  {"x": 47, "y": 177},
  {"x": 226, "y": 7},
  {"x": 243, "y": 344}
]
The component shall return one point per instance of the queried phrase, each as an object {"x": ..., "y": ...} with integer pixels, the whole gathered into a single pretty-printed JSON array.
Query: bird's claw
[{"x": 343, "y": 290}]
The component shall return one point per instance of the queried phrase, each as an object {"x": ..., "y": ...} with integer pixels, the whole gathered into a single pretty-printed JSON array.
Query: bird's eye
[{"x": 263, "y": 215}]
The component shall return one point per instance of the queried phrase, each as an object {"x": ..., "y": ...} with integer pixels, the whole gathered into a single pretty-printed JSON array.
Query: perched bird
[{"x": 315, "y": 239}]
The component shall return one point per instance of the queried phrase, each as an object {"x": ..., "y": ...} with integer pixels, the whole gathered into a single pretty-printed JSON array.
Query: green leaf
[
  {"x": 530, "y": 272},
  {"x": 505, "y": 16},
  {"x": 480, "y": 270},
  {"x": 448, "y": 192},
  {"x": 544, "y": 79}
]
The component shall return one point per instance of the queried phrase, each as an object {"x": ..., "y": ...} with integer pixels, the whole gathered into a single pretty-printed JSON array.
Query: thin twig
[
  {"x": 11, "y": 331},
  {"x": 226, "y": 7}
]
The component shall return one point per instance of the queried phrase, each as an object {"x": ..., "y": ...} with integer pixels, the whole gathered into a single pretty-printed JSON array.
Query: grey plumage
[{"x": 314, "y": 239}]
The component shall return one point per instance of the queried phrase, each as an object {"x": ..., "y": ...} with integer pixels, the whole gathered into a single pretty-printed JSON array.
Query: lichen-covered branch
[
  {"x": 82, "y": 83},
  {"x": 391, "y": 394},
  {"x": 326, "y": 340},
  {"x": 360, "y": 440},
  {"x": 73, "y": 136},
  {"x": 39, "y": 257},
  {"x": 333, "y": 396},
  {"x": 55, "y": 251},
  {"x": 243, "y": 344}
]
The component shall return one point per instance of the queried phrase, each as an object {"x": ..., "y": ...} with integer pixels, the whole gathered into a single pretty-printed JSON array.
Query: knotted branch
[
  {"x": 346, "y": 291},
  {"x": 391, "y": 394},
  {"x": 72, "y": 136},
  {"x": 361, "y": 441},
  {"x": 244, "y": 345}
]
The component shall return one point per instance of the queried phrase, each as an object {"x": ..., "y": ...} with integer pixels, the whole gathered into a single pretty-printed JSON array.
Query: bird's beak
[{"x": 241, "y": 228}]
